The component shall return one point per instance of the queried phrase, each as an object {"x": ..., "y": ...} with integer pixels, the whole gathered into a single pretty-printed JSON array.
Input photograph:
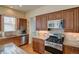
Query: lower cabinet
[
  {"x": 16, "y": 40},
  {"x": 70, "y": 50},
  {"x": 27, "y": 39},
  {"x": 38, "y": 45}
]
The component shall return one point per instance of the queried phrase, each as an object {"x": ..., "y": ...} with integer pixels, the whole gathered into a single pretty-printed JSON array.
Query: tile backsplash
[
  {"x": 56, "y": 31},
  {"x": 42, "y": 33},
  {"x": 71, "y": 36},
  {"x": 71, "y": 39}
]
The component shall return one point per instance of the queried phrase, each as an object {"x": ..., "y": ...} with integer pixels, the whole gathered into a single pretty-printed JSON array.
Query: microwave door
[{"x": 56, "y": 24}]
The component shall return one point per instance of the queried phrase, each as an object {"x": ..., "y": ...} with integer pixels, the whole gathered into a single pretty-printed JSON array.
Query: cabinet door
[
  {"x": 67, "y": 50},
  {"x": 71, "y": 50},
  {"x": 16, "y": 40},
  {"x": 68, "y": 20},
  {"x": 55, "y": 15},
  {"x": 58, "y": 15},
  {"x": 41, "y": 22},
  {"x": 76, "y": 20},
  {"x": 38, "y": 45},
  {"x": 38, "y": 23},
  {"x": 75, "y": 50},
  {"x": 44, "y": 22},
  {"x": 0, "y": 23},
  {"x": 17, "y": 23},
  {"x": 35, "y": 45},
  {"x": 23, "y": 23},
  {"x": 41, "y": 46},
  {"x": 27, "y": 39},
  {"x": 51, "y": 16}
]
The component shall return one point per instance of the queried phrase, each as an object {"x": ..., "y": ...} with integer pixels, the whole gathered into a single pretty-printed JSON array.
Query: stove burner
[{"x": 55, "y": 39}]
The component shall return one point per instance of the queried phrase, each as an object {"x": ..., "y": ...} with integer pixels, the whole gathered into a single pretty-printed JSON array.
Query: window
[{"x": 9, "y": 24}]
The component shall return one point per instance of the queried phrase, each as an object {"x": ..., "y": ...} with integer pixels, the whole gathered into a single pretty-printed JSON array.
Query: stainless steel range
[{"x": 54, "y": 43}]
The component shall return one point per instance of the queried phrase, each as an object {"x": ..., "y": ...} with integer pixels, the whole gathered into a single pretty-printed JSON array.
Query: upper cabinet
[
  {"x": 22, "y": 24},
  {"x": 70, "y": 17},
  {"x": 44, "y": 22},
  {"x": 55, "y": 15},
  {"x": 0, "y": 23},
  {"x": 41, "y": 22},
  {"x": 38, "y": 23},
  {"x": 76, "y": 20}
]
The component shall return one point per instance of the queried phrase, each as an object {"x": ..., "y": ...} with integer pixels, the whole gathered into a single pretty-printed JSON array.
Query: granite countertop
[
  {"x": 40, "y": 37},
  {"x": 11, "y": 48},
  {"x": 3, "y": 37},
  {"x": 72, "y": 43},
  {"x": 72, "y": 39}
]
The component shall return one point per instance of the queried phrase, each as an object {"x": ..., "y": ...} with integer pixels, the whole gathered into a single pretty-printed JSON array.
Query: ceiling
[
  {"x": 27, "y": 8},
  {"x": 24, "y": 8}
]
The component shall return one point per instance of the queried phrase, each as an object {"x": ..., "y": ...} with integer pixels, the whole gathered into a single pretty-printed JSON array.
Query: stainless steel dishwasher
[{"x": 23, "y": 39}]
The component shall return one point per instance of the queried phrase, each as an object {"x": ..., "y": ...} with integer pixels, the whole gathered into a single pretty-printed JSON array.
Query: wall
[
  {"x": 11, "y": 12},
  {"x": 32, "y": 28},
  {"x": 45, "y": 9}
]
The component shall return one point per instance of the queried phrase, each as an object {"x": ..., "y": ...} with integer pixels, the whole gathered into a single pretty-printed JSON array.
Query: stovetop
[{"x": 55, "y": 39}]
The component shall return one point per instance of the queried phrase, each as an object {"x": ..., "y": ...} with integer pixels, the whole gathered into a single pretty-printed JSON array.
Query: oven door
[
  {"x": 53, "y": 47},
  {"x": 53, "y": 50}
]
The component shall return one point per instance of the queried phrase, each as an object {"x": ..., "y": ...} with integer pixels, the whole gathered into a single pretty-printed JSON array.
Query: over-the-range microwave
[{"x": 56, "y": 24}]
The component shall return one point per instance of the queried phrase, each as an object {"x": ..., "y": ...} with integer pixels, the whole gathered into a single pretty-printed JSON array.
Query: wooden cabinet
[
  {"x": 55, "y": 15},
  {"x": 0, "y": 23},
  {"x": 22, "y": 23},
  {"x": 41, "y": 22},
  {"x": 76, "y": 20},
  {"x": 70, "y": 50},
  {"x": 71, "y": 21},
  {"x": 27, "y": 39},
  {"x": 38, "y": 45},
  {"x": 59, "y": 15},
  {"x": 16, "y": 40},
  {"x": 68, "y": 16},
  {"x": 44, "y": 22},
  {"x": 38, "y": 23},
  {"x": 35, "y": 45}
]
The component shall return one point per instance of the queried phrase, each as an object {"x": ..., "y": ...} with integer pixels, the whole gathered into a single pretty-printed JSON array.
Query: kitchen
[
  {"x": 65, "y": 28},
  {"x": 70, "y": 31}
]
